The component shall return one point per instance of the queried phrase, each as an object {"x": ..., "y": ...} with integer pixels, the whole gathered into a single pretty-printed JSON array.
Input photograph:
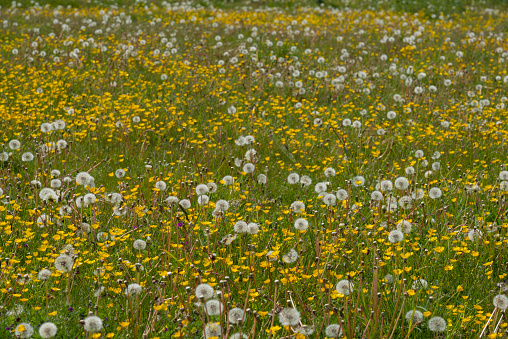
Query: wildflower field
[{"x": 254, "y": 169}]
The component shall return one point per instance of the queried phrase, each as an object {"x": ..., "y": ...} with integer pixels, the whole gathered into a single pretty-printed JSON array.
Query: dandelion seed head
[
  {"x": 289, "y": 317},
  {"x": 344, "y": 287},
  {"x": 333, "y": 331},
  {"x": 48, "y": 330},
  {"x": 93, "y": 324},
  {"x": 500, "y": 301},
  {"x": 437, "y": 324}
]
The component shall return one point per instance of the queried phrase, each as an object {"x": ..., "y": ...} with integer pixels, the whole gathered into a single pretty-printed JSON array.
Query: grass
[{"x": 319, "y": 171}]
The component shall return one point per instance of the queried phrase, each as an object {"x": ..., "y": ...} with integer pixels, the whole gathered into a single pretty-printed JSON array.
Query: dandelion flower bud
[
  {"x": 93, "y": 324},
  {"x": 344, "y": 287},
  {"x": 47, "y": 330},
  {"x": 24, "y": 330},
  {"x": 289, "y": 317},
  {"x": 437, "y": 324}
]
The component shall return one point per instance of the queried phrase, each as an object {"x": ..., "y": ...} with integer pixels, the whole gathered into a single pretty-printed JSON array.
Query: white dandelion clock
[
  {"x": 213, "y": 307},
  {"x": 414, "y": 316},
  {"x": 500, "y": 301},
  {"x": 64, "y": 263},
  {"x": 305, "y": 180},
  {"x": 236, "y": 315},
  {"x": 298, "y": 207},
  {"x": 139, "y": 245},
  {"x": 474, "y": 235},
  {"x": 228, "y": 180},
  {"x": 401, "y": 183},
  {"x": 133, "y": 290},
  {"x": 212, "y": 330},
  {"x": 404, "y": 226},
  {"x": 93, "y": 324},
  {"x": 437, "y": 324},
  {"x": 202, "y": 189},
  {"x": 333, "y": 331},
  {"x": 248, "y": 168},
  {"x": 344, "y": 287},
  {"x": 341, "y": 194},
  {"x": 301, "y": 224},
  {"x": 395, "y": 236},
  {"x": 24, "y": 331},
  {"x": 289, "y": 317},
  {"x": 204, "y": 291},
  {"x": 203, "y": 199},
  {"x": 240, "y": 226},
  {"x": 435, "y": 193},
  {"x": 48, "y": 330},
  {"x": 290, "y": 257},
  {"x": 293, "y": 178},
  {"x": 253, "y": 228},
  {"x": 222, "y": 205},
  {"x": 329, "y": 199},
  {"x": 185, "y": 204},
  {"x": 160, "y": 185},
  {"x": 330, "y": 172}
]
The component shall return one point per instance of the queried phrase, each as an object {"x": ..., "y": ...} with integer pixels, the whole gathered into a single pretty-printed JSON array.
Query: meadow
[{"x": 254, "y": 169}]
